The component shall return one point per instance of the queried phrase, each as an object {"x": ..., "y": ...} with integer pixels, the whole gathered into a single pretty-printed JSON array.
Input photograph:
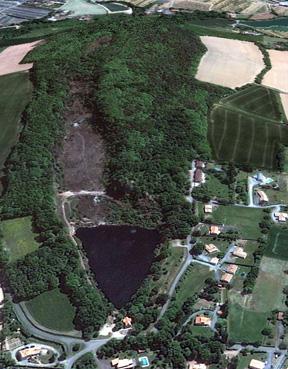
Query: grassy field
[
  {"x": 277, "y": 243},
  {"x": 192, "y": 282},
  {"x": 202, "y": 331},
  {"x": 246, "y": 220},
  {"x": 53, "y": 310},
  {"x": 15, "y": 93},
  {"x": 19, "y": 239},
  {"x": 241, "y": 130}
]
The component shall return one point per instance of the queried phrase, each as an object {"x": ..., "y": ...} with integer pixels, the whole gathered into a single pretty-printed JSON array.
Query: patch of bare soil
[
  {"x": 83, "y": 154},
  {"x": 85, "y": 211}
]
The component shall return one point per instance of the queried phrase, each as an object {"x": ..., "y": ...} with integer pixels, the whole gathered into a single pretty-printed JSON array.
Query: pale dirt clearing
[
  {"x": 277, "y": 77},
  {"x": 229, "y": 63},
  {"x": 284, "y": 100},
  {"x": 12, "y": 56}
]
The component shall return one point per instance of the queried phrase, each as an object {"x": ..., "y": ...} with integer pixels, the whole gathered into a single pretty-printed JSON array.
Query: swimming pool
[{"x": 144, "y": 361}]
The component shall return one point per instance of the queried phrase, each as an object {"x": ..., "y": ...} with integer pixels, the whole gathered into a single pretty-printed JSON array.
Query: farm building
[
  {"x": 281, "y": 217},
  {"x": 226, "y": 278},
  {"x": 239, "y": 252},
  {"x": 202, "y": 320},
  {"x": 263, "y": 198},
  {"x": 210, "y": 248},
  {"x": 122, "y": 363},
  {"x": 256, "y": 364},
  {"x": 208, "y": 209},
  {"x": 214, "y": 230},
  {"x": 231, "y": 268}
]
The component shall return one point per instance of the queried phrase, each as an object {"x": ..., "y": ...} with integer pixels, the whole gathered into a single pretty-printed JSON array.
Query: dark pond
[{"x": 120, "y": 257}]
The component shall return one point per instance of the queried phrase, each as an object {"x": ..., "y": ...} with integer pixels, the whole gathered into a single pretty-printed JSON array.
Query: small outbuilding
[{"x": 208, "y": 208}]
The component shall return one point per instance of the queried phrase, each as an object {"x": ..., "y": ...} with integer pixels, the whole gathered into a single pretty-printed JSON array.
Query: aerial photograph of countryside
[{"x": 143, "y": 184}]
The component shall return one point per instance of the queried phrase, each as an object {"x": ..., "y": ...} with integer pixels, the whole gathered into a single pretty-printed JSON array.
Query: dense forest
[{"x": 152, "y": 114}]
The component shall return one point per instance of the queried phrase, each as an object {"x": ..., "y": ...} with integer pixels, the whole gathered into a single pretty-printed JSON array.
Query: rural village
[{"x": 209, "y": 292}]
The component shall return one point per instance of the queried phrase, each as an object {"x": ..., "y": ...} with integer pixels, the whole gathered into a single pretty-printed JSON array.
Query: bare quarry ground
[
  {"x": 229, "y": 63},
  {"x": 277, "y": 77},
  {"x": 13, "y": 55},
  {"x": 83, "y": 154}
]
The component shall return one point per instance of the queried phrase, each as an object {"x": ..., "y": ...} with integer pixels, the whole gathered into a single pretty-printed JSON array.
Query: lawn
[
  {"x": 246, "y": 129},
  {"x": 221, "y": 244},
  {"x": 52, "y": 310},
  {"x": 245, "y": 220},
  {"x": 202, "y": 331},
  {"x": 277, "y": 243},
  {"x": 245, "y": 325},
  {"x": 250, "y": 247},
  {"x": 15, "y": 93},
  {"x": 192, "y": 282},
  {"x": 19, "y": 239},
  {"x": 244, "y": 361}
]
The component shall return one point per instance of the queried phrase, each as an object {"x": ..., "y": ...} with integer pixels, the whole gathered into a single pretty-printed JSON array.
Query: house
[
  {"x": 256, "y": 364},
  {"x": 239, "y": 252},
  {"x": 226, "y": 278},
  {"x": 199, "y": 164},
  {"x": 210, "y": 248},
  {"x": 214, "y": 230},
  {"x": 198, "y": 176},
  {"x": 280, "y": 315},
  {"x": 202, "y": 320},
  {"x": 208, "y": 209},
  {"x": 281, "y": 217},
  {"x": 231, "y": 268},
  {"x": 195, "y": 365},
  {"x": 263, "y": 198},
  {"x": 127, "y": 321},
  {"x": 26, "y": 353},
  {"x": 122, "y": 363},
  {"x": 214, "y": 260}
]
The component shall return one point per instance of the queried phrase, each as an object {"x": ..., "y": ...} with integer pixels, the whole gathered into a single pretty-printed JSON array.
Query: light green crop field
[
  {"x": 245, "y": 220},
  {"x": 52, "y": 310},
  {"x": 19, "y": 240},
  {"x": 246, "y": 129},
  {"x": 277, "y": 243},
  {"x": 15, "y": 93}
]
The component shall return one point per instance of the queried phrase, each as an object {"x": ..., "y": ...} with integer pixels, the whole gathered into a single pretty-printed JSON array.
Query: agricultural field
[
  {"x": 15, "y": 93},
  {"x": 192, "y": 282},
  {"x": 19, "y": 239},
  {"x": 241, "y": 134},
  {"x": 245, "y": 220},
  {"x": 275, "y": 76},
  {"x": 52, "y": 310},
  {"x": 224, "y": 57},
  {"x": 277, "y": 243}
]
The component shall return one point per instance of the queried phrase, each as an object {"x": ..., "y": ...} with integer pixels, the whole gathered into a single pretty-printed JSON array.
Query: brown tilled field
[
  {"x": 13, "y": 55},
  {"x": 277, "y": 77}
]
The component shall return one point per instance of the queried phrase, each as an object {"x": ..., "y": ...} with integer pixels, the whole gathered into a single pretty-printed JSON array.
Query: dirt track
[
  {"x": 277, "y": 77},
  {"x": 13, "y": 55},
  {"x": 229, "y": 63}
]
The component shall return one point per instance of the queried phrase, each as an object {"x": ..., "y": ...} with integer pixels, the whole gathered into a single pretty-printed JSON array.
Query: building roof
[
  {"x": 127, "y": 321},
  {"x": 262, "y": 196},
  {"x": 208, "y": 209},
  {"x": 198, "y": 175},
  {"x": 239, "y": 252},
  {"x": 202, "y": 320},
  {"x": 281, "y": 216},
  {"x": 214, "y": 260},
  {"x": 199, "y": 164},
  {"x": 27, "y": 352},
  {"x": 195, "y": 365},
  {"x": 231, "y": 268},
  {"x": 256, "y": 364},
  {"x": 214, "y": 230},
  {"x": 210, "y": 248},
  {"x": 226, "y": 277},
  {"x": 280, "y": 315},
  {"x": 122, "y": 363}
]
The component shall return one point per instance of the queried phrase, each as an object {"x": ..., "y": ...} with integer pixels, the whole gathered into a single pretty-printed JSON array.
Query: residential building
[
  {"x": 231, "y": 268},
  {"x": 281, "y": 217},
  {"x": 263, "y": 198},
  {"x": 280, "y": 315},
  {"x": 211, "y": 248},
  {"x": 202, "y": 320},
  {"x": 256, "y": 364},
  {"x": 208, "y": 209},
  {"x": 199, "y": 164},
  {"x": 214, "y": 230},
  {"x": 122, "y": 363},
  {"x": 214, "y": 260},
  {"x": 26, "y": 353},
  {"x": 195, "y": 365},
  {"x": 127, "y": 321},
  {"x": 239, "y": 252},
  {"x": 226, "y": 278}
]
